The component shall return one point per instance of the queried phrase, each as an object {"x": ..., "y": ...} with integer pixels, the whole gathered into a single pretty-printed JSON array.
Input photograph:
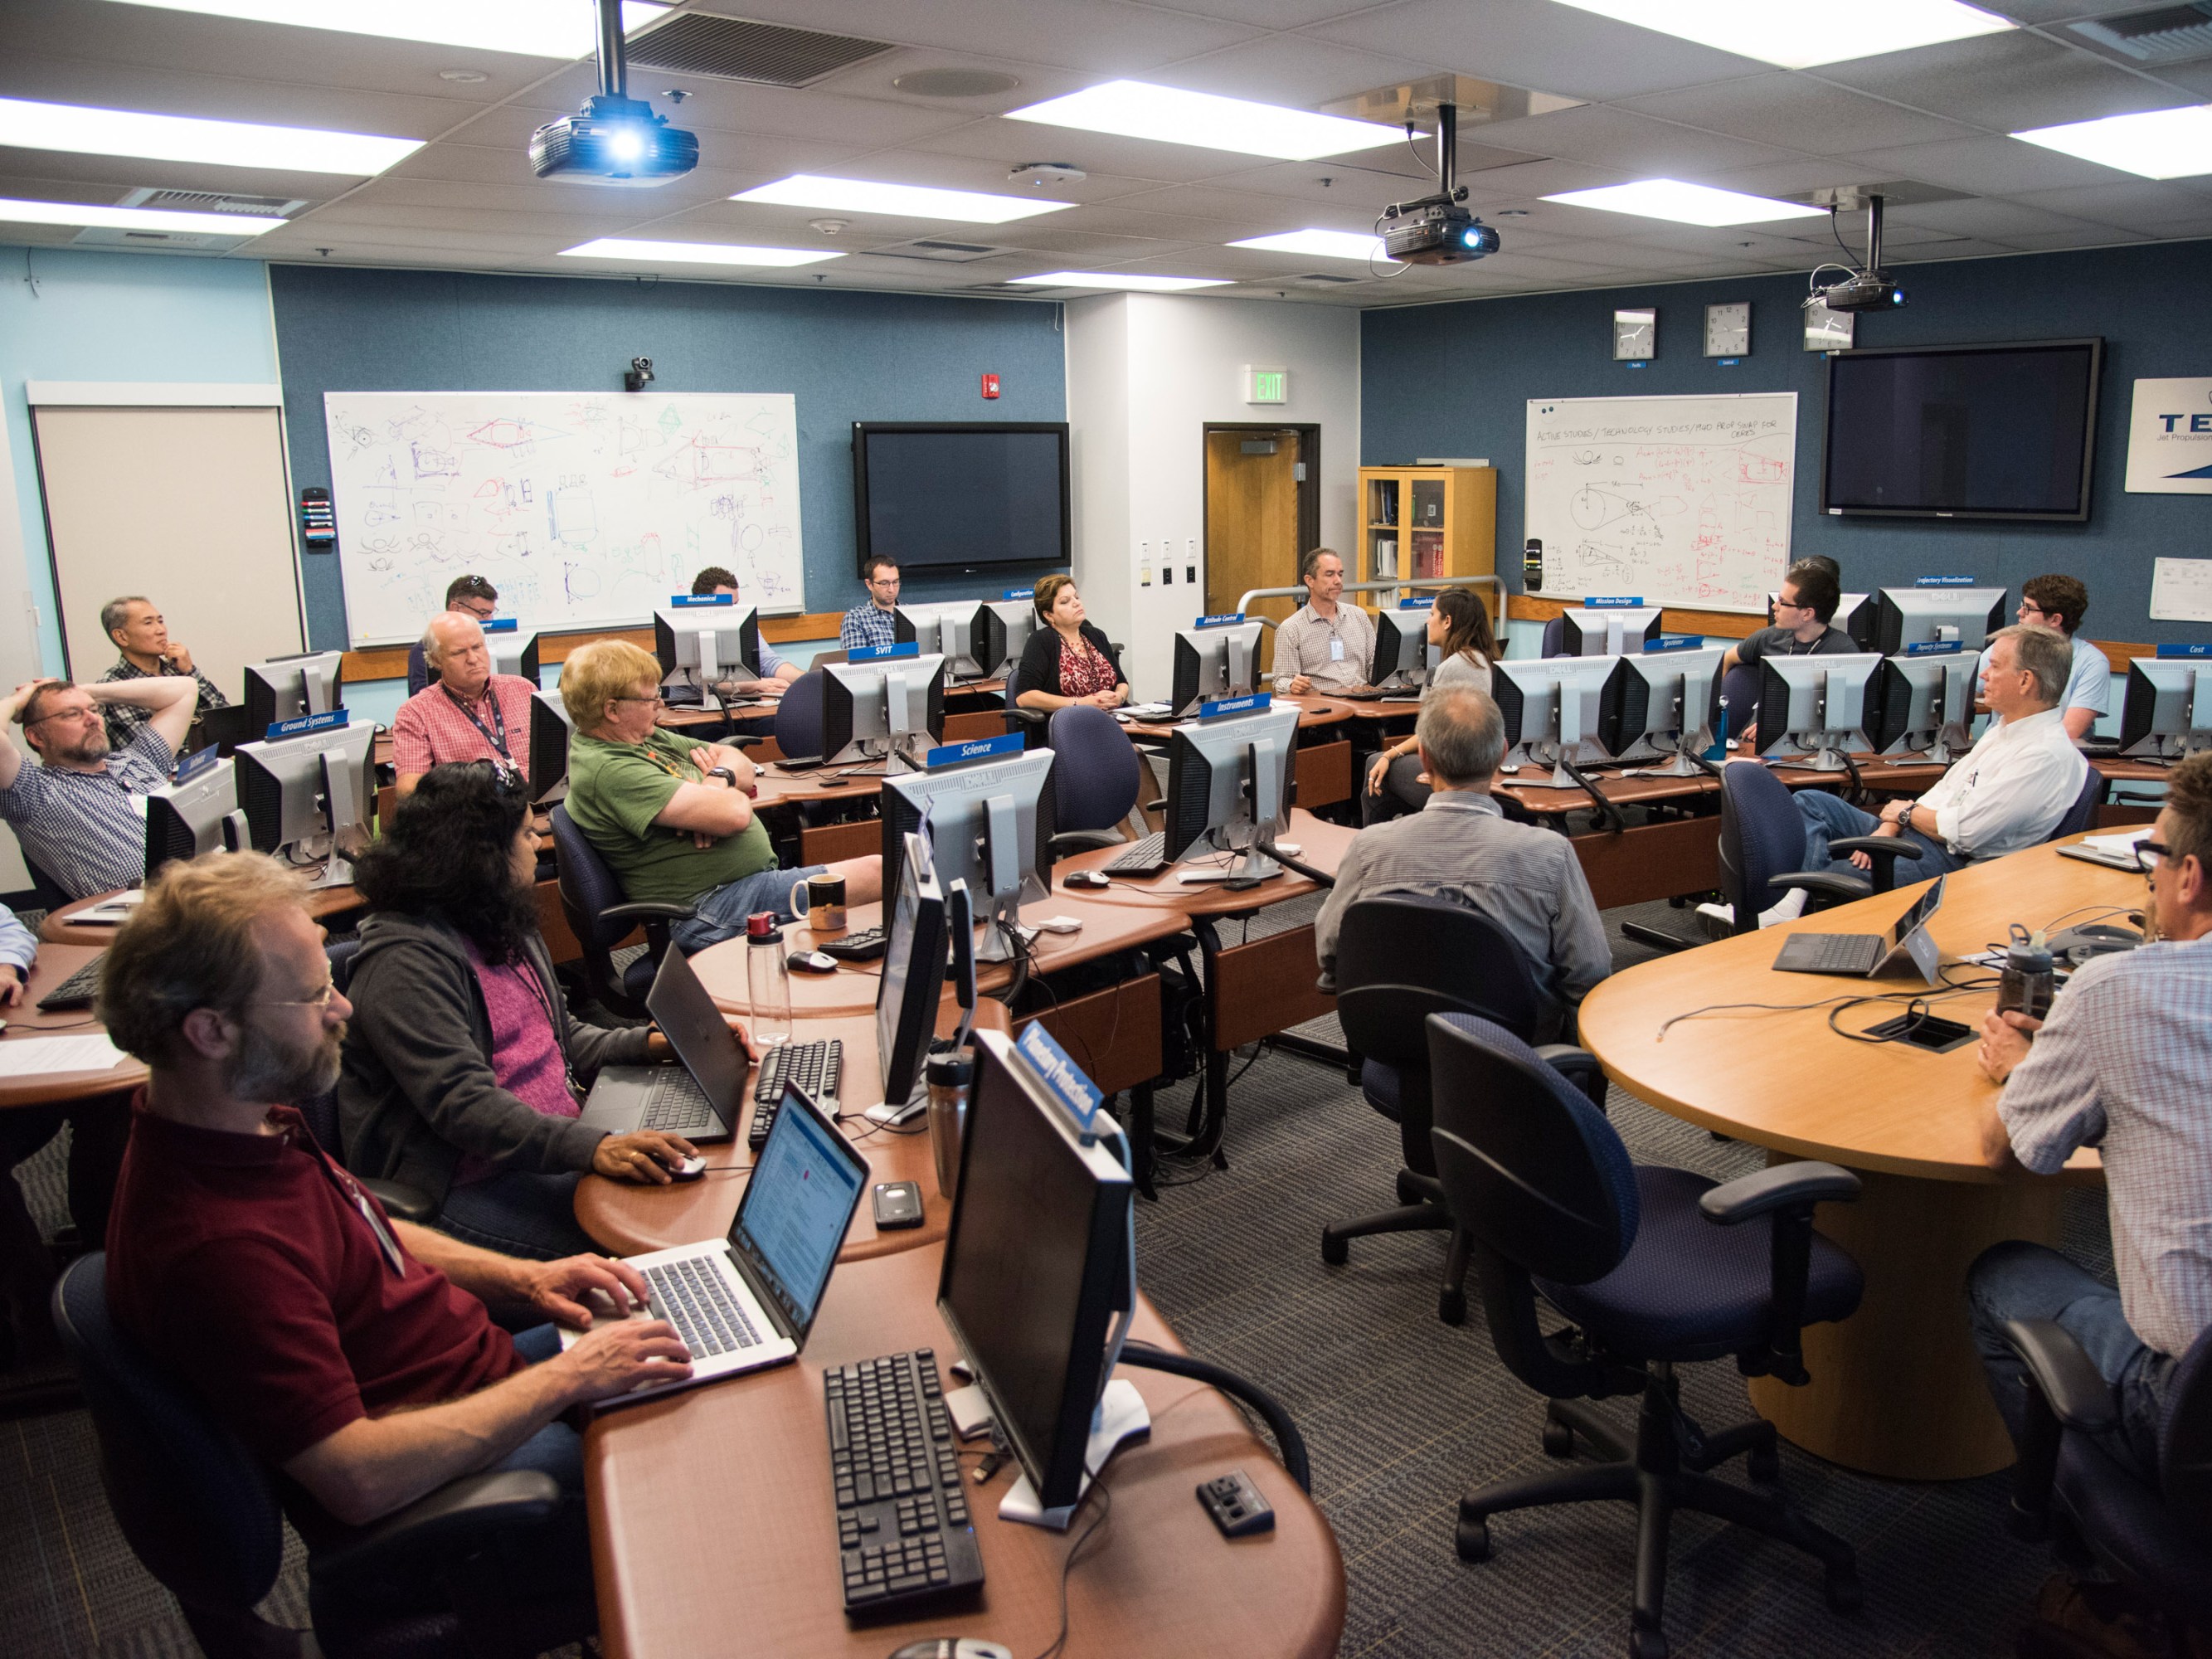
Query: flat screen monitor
[
  {"x": 989, "y": 825},
  {"x": 1603, "y": 632},
  {"x": 200, "y": 815},
  {"x": 2168, "y": 710},
  {"x": 1965, "y": 616},
  {"x": 515, "y": 653},
  {"x": 1661, "y": 706},
  {"x": 913, "y": 980},
  {"x": 953, "y": 631},
  {"x": 1554, "y": 714},
  {"x": 1211, "y": 663},
  {"x": 1007, "y": 625},
  {"x": 1403, "y": 655},
  {"x": 310, "y": 796},
  {"x": 1921, "y": 705},
  {"x": 1040, "y": 1262},
  {"x": 1229, "y": 787},
  {"x": 549, "y": 731},
  {"x": 885, "y": 708},
  {"x": 1962, "y": 431},
  {"x": 1854, "y": 615},
  {"x": 961, "y": 495},
  {"x": 1816, "y": 707},
  {"x": 704, "y": 646},
  {"x": 288, "y": 687}
]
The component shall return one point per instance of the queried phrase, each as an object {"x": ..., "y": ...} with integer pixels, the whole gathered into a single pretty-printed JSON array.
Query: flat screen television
[
  {"x": 1962, "y": 431},
  {"x": 960, "y": 496}
]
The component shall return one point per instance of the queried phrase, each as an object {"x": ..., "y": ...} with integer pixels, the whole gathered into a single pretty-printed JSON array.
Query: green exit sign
[{"x": 1267, "y": 385}]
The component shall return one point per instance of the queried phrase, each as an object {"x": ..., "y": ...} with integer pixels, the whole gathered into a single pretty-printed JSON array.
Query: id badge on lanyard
[{"x": 385, "y": 1241}]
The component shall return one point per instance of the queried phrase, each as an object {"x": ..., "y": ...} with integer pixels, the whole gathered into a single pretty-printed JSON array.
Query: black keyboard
[
  {"x": 692, "y": 1294},
  {"x": 77, "y": 991},
  {"x": 1148, "y": 857},
  {"x": 675, "y": 1103},
  {"x": 903, "y": 1533},
  {"x": 863, "y": 946},
  {"x": 1832, "y": 953},
  {"x": 814, "y": 1066}
]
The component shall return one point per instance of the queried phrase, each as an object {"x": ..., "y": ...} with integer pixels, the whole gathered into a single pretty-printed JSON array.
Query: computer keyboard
[
  {"x": 903, "y": 1531},
  {"x": 675, "y": 1104},
  {"x": 1148, "y": 857},
  {"x": 864, "y": 946},
  {"x": 816, "y": 1067},
  {"x": 1830, "y": 953},
  {"x": 690, "y": 1294},
  {"x": 79, "y": 990}
]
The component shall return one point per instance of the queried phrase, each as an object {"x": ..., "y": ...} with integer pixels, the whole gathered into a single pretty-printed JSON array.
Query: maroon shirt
[{"x": 242, "y": 1265}]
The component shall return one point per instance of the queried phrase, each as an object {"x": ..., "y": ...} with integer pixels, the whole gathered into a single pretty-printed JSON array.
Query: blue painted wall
[
  {"x": 847, "y": 356},
  {"x": 1455, "y": 379}
]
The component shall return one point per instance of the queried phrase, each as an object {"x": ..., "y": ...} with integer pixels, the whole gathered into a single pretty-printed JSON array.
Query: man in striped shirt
[{"x": 80, "y": 815}]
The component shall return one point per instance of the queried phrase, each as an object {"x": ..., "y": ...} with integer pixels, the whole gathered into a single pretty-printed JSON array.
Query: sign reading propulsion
[{"x": 2170, "y": 438}]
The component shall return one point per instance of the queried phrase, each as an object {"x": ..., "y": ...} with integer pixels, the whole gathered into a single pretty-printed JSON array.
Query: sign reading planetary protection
[{"x": 2170, "y": 438}]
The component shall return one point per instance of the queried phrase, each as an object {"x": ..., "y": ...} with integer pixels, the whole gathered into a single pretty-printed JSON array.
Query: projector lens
[{"x": 625, "y": 146}]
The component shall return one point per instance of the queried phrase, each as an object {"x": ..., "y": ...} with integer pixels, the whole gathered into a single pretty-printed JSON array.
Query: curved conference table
[{"x": 1896, "y": 1389}]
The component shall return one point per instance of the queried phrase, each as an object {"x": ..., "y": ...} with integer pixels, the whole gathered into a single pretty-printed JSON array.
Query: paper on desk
[
  {"x": 33, "y": 1058},
  {"x": 2122, "y": 841}
]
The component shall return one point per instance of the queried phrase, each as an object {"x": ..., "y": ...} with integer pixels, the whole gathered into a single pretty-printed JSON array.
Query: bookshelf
[{"x": 1426, "y": 521}]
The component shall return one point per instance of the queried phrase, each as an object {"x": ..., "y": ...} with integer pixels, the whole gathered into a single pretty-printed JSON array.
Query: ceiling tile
[
  {"x": 1603, "y": 135},
  {"x": 2081, "y": 236},
  {"x": 1292, "y": 69},
  {"x": 2138, "y": 203},
  {"x": 2005, "y": 82},
  {"x": 1797, "y": 112},
  {"x": 1984, "y": 167},
  {"x": 230, "y": 98}
]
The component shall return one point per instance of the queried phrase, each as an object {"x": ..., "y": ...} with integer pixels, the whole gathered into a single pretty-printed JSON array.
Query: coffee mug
[{"x": 824, "y": 906}]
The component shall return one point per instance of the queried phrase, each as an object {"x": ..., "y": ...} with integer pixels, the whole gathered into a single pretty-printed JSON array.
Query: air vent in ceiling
[
  {"x": 945, "y": 252},
  {"x": 209, "y": 201},
  {"x": 166, "y": 241},
  {"x": 2171, "y": 35},
  {"x": 1006, "y": 290},
  {"x": 738, "y": 49},
  {"x": 1324, "y": 278}
]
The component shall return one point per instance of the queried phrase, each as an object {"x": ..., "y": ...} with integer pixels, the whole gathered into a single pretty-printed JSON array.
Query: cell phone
[{"x": 898, "y": 1204}]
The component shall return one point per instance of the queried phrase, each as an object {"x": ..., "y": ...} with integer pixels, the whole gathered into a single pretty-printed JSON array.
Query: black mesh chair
[
  {"x": 51, "y": 893},
  {"x": 601, "y": 916},
  {"x": 1398, "y": 959},
  {"x": 1652, "y": 1266}
]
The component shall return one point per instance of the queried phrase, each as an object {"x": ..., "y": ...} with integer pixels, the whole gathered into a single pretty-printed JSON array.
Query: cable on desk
[{"x": 1067, "y": 1562}]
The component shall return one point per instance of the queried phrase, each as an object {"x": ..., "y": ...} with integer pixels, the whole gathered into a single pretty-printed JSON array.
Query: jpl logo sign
[{"x": 2170, "y": 438}]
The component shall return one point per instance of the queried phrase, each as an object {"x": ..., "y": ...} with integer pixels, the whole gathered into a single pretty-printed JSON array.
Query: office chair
[
  {"x": 1398, "y": 959},
  {"x": 2082, "y": 814},
  {"x": 601, "y": 917},
  {"x": 799, "y": 716},
  {"x": 1654, "y": 1266},
  {"x": 201, "y": 1516},
  {"x": 1740, "y": 690},
  {"x": 1555, "y": 637},
  {"x": 2153, "y": 1536},
  {"x": 1096, "y": 780},
  {"x": 51, "y": 893}
]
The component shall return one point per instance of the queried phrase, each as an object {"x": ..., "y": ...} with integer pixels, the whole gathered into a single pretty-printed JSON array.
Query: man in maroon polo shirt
[{"x": 352, "y": 1352}]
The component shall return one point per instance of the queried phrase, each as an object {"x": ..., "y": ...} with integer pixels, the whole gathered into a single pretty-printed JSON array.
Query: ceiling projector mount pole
[
  {"x": 614, "y": 55},
  {"x": 1436, "y": 230},
  {"x": 615, "y": 139}
]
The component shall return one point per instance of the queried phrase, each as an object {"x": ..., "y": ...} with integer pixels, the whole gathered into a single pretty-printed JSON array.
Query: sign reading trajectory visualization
[
  {"x": 1679, "y": 500},
  {"x": 584, "y": 509}
]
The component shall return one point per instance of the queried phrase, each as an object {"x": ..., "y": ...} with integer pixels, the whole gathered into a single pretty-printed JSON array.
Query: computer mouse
[
  {"x": 813, "y": 962},
  {"x": 953, "y": 1647},
  {"x": 1087, "y": 879},
  {"x": 2106, "y": 930},
  {"x": 690, "y": 1168}
]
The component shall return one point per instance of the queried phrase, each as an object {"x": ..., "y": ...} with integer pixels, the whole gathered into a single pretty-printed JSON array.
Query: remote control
[{"x": 1236, "y": 1505}]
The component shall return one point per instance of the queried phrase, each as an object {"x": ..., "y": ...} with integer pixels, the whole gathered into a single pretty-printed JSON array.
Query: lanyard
[
  {"x": 385, "y": 1242},
  {"x": 499, "y": 719}
]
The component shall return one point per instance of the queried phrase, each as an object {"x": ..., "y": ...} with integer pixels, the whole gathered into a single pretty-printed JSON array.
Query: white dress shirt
[{"x": 2010, "y": 789}]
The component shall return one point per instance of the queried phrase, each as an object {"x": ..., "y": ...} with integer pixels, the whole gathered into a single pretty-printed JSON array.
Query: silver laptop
[
  {"x": 748, "y": 1301},
  {"x": 699, "y": 1099}
]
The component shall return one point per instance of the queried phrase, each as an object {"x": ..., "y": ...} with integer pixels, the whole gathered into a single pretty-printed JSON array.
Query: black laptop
[
  {"x": 1865, "y": 956},
  {"x": 698, "y": 1099}
]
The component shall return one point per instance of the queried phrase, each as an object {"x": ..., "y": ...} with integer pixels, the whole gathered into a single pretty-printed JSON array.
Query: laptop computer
[
  {"x": 747, "y": 1301},
  {"x": 1870, "y": 955},
  {"x": 698, "y": 1099}
]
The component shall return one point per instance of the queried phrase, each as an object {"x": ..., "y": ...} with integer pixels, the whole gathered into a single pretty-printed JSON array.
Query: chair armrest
[
  {"x": 1084, "y": 840},
  {"x": 2060, "y": 1371},
  {"x": 1782, "y": 1186},
  {"x": 1025, "y": 716},
  {"x": 1830, "y": 885},
  {"x": 407, "y": 1203},
  {"x": 444, "y": 1523},
  {"x": 734, "y": 741},
  {"x": 648, "y": 910},
  {"x": 1578, "y": 1066},
  {"x": 1892, "y": 848}
]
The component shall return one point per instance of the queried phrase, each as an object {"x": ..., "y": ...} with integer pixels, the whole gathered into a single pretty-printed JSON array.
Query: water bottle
[
  {"x": 951, "y": 1079},
  {"x": 767, "y": 979},
  {"x": 2028, "y": 983}
]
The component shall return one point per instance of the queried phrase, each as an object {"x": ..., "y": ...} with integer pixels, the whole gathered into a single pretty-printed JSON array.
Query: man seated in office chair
[
  {"x": 141, "y": 635},
  {"x": 1326, "y": 645},
  {"x": 2124, "y": 1062},
  {"x": 874, "y": 621},
  {"x": 2059, "y": 601},
  {"x": 354, "y": 1353},
  {"x": 777, "y": 671},
  {"x": 469, "y": 714},
  {"x": 673, "y": 816},
  {"x": 1802, "y": 607},
  {"x": 465, "y": 596},
  {"x": 1461, "y": 846},
  {"x": 80, "y": 815}
]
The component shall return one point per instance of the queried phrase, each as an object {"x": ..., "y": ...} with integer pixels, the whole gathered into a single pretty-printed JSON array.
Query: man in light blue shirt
[
  {"x": 2058, "y": 601},
  {"x": 18, "y": 949},
  {"x": 776, "y": 671}
]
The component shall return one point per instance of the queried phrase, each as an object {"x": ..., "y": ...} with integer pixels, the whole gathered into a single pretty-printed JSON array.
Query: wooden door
[{"x": 1251, "y": 524}]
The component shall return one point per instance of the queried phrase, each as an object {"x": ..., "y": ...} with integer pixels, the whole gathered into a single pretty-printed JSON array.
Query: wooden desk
[
  {"x": 1312, "y": 711},
  {"x": 1896, "y": 1389},
  {"x": 26, "y": 1024},
  {"x": 61, "y": 927},
  {"x": 713, "y": 1530}
]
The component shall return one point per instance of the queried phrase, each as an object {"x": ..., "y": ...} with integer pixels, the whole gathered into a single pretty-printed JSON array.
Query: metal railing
[{"x": 1245, "y": 603}]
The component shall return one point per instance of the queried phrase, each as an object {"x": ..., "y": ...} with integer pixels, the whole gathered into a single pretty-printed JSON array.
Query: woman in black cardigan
[{"x": 1066, "y": 661}]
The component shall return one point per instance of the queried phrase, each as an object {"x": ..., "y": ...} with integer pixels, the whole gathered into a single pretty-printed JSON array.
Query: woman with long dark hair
[{"x": 1459, "y": 627}]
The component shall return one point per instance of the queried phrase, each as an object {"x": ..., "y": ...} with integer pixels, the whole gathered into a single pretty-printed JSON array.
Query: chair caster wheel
[
  {"x": 1559, "y": 1440},
  {"x": 1764, "y": 1465},
  {"x": 1471, "y": 1541},
  {"x": 1451, "y": 1307},
  {"x": 1646, "y": 1644},
  {"x": 1843, "y": 1592},
  {"x": 1409, "y": 1191},
  {"x": 1334, "y": 1251}
]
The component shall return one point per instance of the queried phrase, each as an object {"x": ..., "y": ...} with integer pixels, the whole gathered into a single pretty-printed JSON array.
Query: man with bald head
[{"x": 470, "y": 713}]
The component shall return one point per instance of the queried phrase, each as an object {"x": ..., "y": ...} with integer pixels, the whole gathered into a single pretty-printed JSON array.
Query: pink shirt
[
  {"x": 431, "y": 730},
  {"x": 525, "y": 1052}
]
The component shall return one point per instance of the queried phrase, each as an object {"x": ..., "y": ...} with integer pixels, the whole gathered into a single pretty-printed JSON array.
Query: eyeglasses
[
  {"x": 88, "y": 714},
  {"x": 1790, "y": 605},
  {"x": 658, "y": 702},
  {"x": 481, "y": 609},
  {"x": 2149, "y": 855},
  {"x": 320, "y": 1001}
]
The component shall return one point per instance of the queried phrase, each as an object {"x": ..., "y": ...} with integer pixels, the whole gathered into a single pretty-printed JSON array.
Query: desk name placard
[
  {"x": 1942, "y": 581},
  {"x": 696, "y": 601},
  {"x": 1615, "y": 602},
  {"x": 306, "y": 724},
  {"x": 1062, "y": 1078},
  {"x": 193, "y": 764},
  {"x": 956, "y": 754},
  {"x": 503, "y": 625},
  {"x": 1420, "y": 602},
  {"x": 1221, "y": 619},
  {"x": 881, "y": 653},
  {"x": 1673, "y": 642},
  {"x": 2199, "y": 649},
  {"x": 1226, "y": 706},
  {"x": 1933, "y": 648}
]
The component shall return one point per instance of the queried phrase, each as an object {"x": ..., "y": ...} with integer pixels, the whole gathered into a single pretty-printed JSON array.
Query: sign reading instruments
[{"x": 2170, "y": 438}]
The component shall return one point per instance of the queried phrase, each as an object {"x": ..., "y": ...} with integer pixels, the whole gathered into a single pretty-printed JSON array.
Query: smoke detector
[
  {"x": 1040, "y": 173},
  {"x": 830, "y": 226}
]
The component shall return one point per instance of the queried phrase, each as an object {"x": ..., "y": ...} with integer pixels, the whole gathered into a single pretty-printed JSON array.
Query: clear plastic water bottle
[{"x": 767, "y": 979}]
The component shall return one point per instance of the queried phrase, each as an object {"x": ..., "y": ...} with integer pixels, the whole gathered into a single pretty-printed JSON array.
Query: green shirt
[{"x": 616, "y": 790}]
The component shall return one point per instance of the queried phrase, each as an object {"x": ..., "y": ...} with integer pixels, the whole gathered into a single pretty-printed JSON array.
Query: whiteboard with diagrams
[
  {"x": 584, "y": 509},
  {"x": 1678, "y": 501}
]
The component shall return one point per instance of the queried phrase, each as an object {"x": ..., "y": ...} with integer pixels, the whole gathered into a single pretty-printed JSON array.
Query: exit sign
[{"x": 1267, "y": 385}]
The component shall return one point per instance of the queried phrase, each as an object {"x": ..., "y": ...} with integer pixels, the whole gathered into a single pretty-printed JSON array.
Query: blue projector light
[{"x": 615, "y": 141}]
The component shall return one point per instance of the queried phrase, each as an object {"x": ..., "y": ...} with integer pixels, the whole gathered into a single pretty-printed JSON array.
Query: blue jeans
[
  {"x": 723, "y": 912},
  {"x": 2019, "y": 1280},
  {"x": 522, "y": 1213},
  {"x": 1831, "y": 817}
]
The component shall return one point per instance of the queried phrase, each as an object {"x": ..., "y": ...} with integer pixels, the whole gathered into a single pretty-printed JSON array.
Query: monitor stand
[
  {"x": 1121, "y": 1416},
  {"x": 1827, "y": 756}
]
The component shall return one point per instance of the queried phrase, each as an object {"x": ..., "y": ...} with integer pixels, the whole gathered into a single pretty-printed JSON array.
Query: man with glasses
[
  {"x": 2123, "y": 1062},
  {"x": 469, "y": 714},
  {"x": 354, "y": 1353},
  {"x": 1807, "y": 599},
  {"x": 776, "y": 670},
  {"x": 141, "y": 635},
  {"x": 2059, "y": 601},
  {"x": 870, "y": 623},
  {"x": 80, "y": 815},
  {"x": 465, "y": 596}
]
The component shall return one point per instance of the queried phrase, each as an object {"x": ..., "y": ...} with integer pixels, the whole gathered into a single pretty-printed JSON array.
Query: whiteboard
[
  {"x": 1678, "y": 501},
  {"x": 584, "y": 509}
]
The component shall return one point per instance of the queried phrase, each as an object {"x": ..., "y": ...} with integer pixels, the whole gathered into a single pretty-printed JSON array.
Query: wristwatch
[
  {"x": 725, "y": 775},
  {"x": 1903, "y": 818}
]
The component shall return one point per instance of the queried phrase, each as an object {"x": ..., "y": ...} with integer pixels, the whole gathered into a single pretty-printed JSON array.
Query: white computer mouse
[{"x": 690, "y": 1168}]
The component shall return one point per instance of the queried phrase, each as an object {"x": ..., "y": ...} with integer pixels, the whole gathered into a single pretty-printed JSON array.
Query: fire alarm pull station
[{"x": 990, "y": 386}]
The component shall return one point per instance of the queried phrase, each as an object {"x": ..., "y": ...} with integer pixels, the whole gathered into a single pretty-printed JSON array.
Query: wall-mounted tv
[
  {"x": 960, "y": 496},
  {"x": 1963, "y": 432}
]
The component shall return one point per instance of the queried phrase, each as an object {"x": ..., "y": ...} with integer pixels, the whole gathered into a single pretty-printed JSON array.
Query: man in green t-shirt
[{"x": 672, "y": 816}]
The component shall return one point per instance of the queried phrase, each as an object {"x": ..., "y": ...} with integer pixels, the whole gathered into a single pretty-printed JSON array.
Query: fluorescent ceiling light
[
  {"x": 1134, "y": 109},
  {"x": 1800, "y": 36},
  {"x": 695, "y": 254},
  {"x": 2161, "y": 143},
  {"x": 1687, "y": 205},
  {"x": 123, "y": 218},
  {"x": 188, "y": 138},
  {"x": 1320, "y": 244},
  {"x": 1133, "y": 281},
  {"x": 532, "y": 28},
  {"x": 810, "y": 189}
]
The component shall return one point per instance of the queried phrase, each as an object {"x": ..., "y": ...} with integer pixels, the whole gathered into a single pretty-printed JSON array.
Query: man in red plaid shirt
[{"x": 469, "y": 714}]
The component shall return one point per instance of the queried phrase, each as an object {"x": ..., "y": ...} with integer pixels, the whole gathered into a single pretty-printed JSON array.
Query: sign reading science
[{"x": 2170, "y": 438}]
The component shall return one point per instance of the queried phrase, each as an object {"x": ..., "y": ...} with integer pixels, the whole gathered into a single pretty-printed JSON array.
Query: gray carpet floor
[{"x": 1400, "y": 1413}]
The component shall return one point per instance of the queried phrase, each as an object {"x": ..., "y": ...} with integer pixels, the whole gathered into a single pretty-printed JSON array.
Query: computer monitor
[
  {"x": 1554, "y": 716},
  {"x": 1604, "y": 632},
  {"x": 913, "y": 980},
  {"x": 1662, "y": 706},
  {"x": 706, "y": 645},
  {"x": 200, "y": 815},
  {"x": 309, "y": 797},
  {"x": 1039, "y": 1276},
  {"x": 1005, "y": 625},
  {"x": 1921, "y": 705},
  {"x": 1854, "y": 615},
  {"x": 989, "y": 825},
  {"x": 1214, "y": 662},
  {"x": 953, "y": 631},
  {"x": 1403, "y": 655},
  {"x": 887, "y": 708},
  {"x": 1230, "y": 784},
  {"x": 1966, "y": 617},
  {"x": 2168, "y": 711},
  {"x": 1815, "y": 707},
  {"x": 287, "y": 688},
  {"x": 515, "y": 653},
  {"x": 549, "y": 731}
]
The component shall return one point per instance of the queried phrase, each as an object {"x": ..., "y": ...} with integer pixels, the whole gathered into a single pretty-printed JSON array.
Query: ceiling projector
[
  {"x": 617, "y": 139},
  {"x": 1436, "y": 230},
  {"x": 1865, "y": 289}
]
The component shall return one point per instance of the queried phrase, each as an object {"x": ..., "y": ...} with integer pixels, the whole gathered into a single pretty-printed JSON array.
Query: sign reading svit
[{"x": 2170, "y": 438}]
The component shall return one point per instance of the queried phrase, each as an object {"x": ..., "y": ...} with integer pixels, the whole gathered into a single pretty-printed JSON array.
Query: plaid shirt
[
  {"x": 866, "y": 624},
  {"x": 87, "y": 829},
  {"x": 430, "y": 730},
  {"x": 124, "y": 719}
]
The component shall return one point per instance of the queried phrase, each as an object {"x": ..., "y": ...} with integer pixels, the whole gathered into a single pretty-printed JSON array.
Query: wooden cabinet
[{"x": 1425, "y": 521}]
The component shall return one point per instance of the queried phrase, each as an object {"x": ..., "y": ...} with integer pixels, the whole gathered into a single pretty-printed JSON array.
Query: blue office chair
[
  {"x": 2082, "y": 814},
  {"x": 201, "y": 1516},
  {"x": 51, "y": 893},
  {"x": 799, "y": 717},
  {"x": 602, "y": 916},
  {"x": 1096, "y": 776},
  {"x": 1652, "y": 1266},
  {"x": 1555, "y": 637},
  {"x": 1740, "y": 690}
]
